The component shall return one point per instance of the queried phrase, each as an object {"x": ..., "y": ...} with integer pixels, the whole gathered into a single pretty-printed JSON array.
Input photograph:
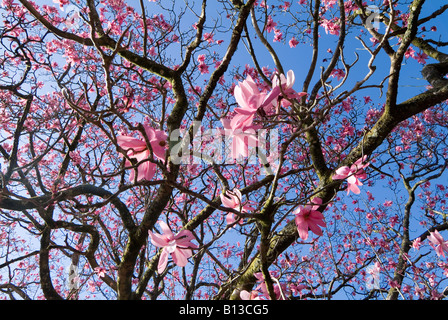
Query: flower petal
[
  {"x": 127, "y": 143},
  {"x": 166, "y": 229},
  {"x": 157, "y": 239},
  {"x": 180, "y": 257},
  {"x": 341, "y": 173},
  {"x": 302, "y": 228},
  {"x": 163, "y": 261}
]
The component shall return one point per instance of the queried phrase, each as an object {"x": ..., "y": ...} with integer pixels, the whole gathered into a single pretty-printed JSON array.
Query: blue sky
[{"x": 298, "y": 59}]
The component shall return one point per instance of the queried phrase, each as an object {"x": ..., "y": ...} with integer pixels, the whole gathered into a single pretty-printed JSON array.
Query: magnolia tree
[{"x": 223, "y": 149}]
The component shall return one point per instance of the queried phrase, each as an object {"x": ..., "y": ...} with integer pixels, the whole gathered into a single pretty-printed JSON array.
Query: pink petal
[
  {"x": 290, "y": 79},
  {"x": 157, "y": 138},
  {"x": 241, "y": 120},
  {"x": 157, "y": 239},
  {"x": 361, "y": 160},
  {"x": 183, "y": 240},
  {"x": 353, "y": 180},
  {"x": 238, "y": 194},
  {"x": 230, "y": 218},
  {"x": 180, "y": 257},
  {"x": 134, "y": 144},
  {"x": 444, "y": 246},
  {"x": 316, "y": 215},
  {"x": 353, "y": 188},
  {"x": 226, "y": 123},
  {"x": 317, "y": 201},
  {"x": 163, "y": 261},
  {"x": 241, "y": 143},
  {"x": 229, "y": 202},
  {"x": 439, "y": 251},
  {"x": 342, "y": 173},
  {"x": 159, "y": 146},
  {"x": 275, "y": 92},
  {"x": 146, "y": 171},
  {"x": 165, "y": 229},
  {"x": 315, "y": 229},
  {"x": 302, "y": 228}
]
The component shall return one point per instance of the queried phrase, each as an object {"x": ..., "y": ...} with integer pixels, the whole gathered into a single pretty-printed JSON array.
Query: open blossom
[
  {"x": 208, "y": 36},
  {"x": 203, "y": 68},
  {"x": 331, "y": 27},
  {"x": 293, "y": 42},
  {"x": 201, "y": 58},
  {"x": 249, "y": 98},
  {"x": 282, "y": 86},
  {"x": 338, "y": 73},
  {"x": 438, "y": 243},
  {"x": 242, "y": 134},
  {"x": 137, "y": 149},
  {"x": 232, "y": 199},
  {"x": 278, "y": 35},
  {"x": 100, "y": 271},
  {"x": 374, "y": 271},
  {"x": 270, "y": 24},
  {"x": 61, "y": 3},
  {"x": 308, "y": 218},
  {"x": 421, "y": 57},
  {"x": 178, "y": 246},
  {"x": 410, "y": 52},
  {"x": 353, "y": 174},
  {"x": 416, "y": 243}
]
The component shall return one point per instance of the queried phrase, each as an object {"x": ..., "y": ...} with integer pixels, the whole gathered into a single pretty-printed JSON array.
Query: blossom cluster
[{"x": 252, "y": 102}]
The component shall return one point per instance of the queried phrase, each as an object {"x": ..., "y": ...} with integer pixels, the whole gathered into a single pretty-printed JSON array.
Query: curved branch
[{"x": 85, "y": 189}]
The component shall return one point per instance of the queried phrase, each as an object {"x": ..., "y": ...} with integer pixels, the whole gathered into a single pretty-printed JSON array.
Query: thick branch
[{"x": 48, "y": 199}]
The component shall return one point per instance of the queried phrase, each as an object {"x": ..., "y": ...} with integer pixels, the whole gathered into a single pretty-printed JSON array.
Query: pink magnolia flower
[
  {"x": 203, "y": 68},
  {"x": 338, "y": 73},
  {"x": 178, "y": 246},
  {"x": 282, "y": 86},
  {"x": 308, "y": 218},
  {"x": 278, "y": 35},
  {"x": 270, "y": 24},
  {"x": 61, "y": 3},
  {"x": 375, "y": 270},
  {"x": 233, "y": 199},
  {"x": 438, "y": 243},
  {"x": 417, "y": 243},
  {"x": 293, "y": 42},
  {"x": 100, "y": 271},
  {"x": 208, "y": 36},
  {"x": 410, "y": 52},
  {"x": 421, "y": 57},
  {"x": 297, "y": 288},
  {"x": 353, "y": 174},
  {"x": 249, "y": 98},
  {"x": 285, "y": 6},
  {"x": 242, "y": 134},
  {"x": 331, "y": 27},
  {"x": 137, "y": 149}
]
